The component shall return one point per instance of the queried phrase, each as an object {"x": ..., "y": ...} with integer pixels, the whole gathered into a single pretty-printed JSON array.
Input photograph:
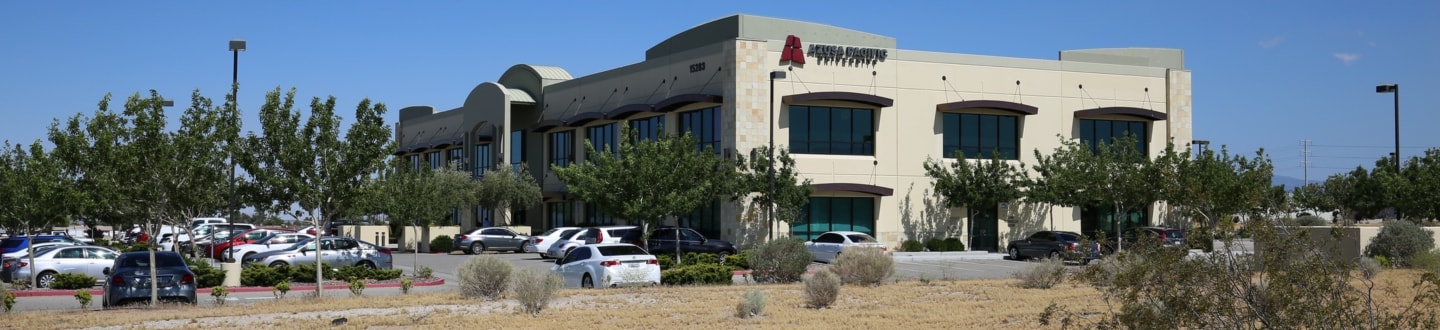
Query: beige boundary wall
[{"x": 1351, "y": 243}]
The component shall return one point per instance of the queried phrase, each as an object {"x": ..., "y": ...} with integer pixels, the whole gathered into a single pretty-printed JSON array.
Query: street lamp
[
  {"x": 770, "y": 170},
  {"x": 1203, "y": 145},
  {"x": 1394, "y": 88},
  {"x": 236, "y": 46}
]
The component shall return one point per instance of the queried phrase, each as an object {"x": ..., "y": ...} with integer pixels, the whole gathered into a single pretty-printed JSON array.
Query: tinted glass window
[
  {"x": 579, "y": 254},
  {"x": 663, "y": 234},
  {"x": 691, "y": 235},
  {"x": 620, "y": 250},
  {"x": 70, "y": 254},
  {"x": 604, "y": 138},
  {"x": 570, "y": 233},
  {"x": 1040, "y": 236},
  {"x": 704, "y": 125},
  {"x": 830, "y": 238},
  {"x": 648, "y": 129},
  {"x": 861, "y": 238},
  {"x": 980, "y": 136},
  {"x": 705, "y": 220},
  {"x": 832, "y": 130},
  {"x": 825, "y": 214},
  {"x": 480, "y": 159},
  {"x": 11, "y": 243},
  {"x": 562, "y": 148},
  {"x": 101, "y": 254},
  {"x": 143, "y": 260},
  {"x": 1097, "y": 132},
  {"x": 346, "y": 244}
]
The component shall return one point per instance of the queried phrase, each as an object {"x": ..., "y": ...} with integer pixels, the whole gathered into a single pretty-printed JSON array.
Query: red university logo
[{"x": 793, "y": 52}]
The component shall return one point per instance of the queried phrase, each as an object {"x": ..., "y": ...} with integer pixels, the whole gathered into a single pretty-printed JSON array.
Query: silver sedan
[
  {"x": 81, "y": 259},
  {"x": 334, "y": 251},
  {"x": 490, "y": 239}
]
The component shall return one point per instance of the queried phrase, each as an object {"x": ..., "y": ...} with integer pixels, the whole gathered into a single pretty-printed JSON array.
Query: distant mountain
[{"x": 1289, "y": 182}]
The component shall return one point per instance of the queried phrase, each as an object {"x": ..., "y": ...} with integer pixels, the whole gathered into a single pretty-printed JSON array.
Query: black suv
[{"x": 664, "y": 240}]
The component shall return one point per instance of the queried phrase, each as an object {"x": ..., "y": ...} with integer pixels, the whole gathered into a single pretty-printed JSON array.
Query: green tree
[
  {"x": 33, "y": 191},
  {"x": 1422, "y": 175},
  {"x": 650, "y": 180},
  {"x": 1216, "y": 184},
  {"x": 310, "y": 166},
  {"x": 976, "y": 185},
  {"x": 421, "y": 197},
  {"x": 1112, "y": 174},
  {"x": 791, "y": 193},
  {"x": 503, "y": 187}
]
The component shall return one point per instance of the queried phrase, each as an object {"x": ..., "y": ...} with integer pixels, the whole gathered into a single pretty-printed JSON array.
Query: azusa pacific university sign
[{"x": 794, "y": 52}]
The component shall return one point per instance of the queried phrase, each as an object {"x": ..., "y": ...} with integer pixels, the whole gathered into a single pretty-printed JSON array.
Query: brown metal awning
[
  {"x": 1017, "y": 108},
  {"x": 878, "y": 101},
  {"x": 1146, "y": 114},
  {"x": 854, "y": 187}
]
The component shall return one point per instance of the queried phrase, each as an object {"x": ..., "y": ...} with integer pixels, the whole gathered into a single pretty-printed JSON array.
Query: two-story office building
[{"x": 859, "y": 115}]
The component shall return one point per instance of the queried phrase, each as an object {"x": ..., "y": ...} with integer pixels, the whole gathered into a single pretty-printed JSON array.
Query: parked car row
[{"x": 332, "y": 250}]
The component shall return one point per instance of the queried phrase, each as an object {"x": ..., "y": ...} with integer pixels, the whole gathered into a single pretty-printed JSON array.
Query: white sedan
[
  {"x": 608, "y": 265},
  {"x": 829, "y": 245},
  {"x": 541, "y": 243},
  {"x": 568, "y": 240}
]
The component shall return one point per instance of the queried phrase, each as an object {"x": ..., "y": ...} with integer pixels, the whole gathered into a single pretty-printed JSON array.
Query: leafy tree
[
  {"x": 1113, "y": 174},
  {"x": 33, "y": 191},
  {"x": 503, "y": 187},
  {"x": 976, "y": 185},
  {"x": 651, "y": 179},
  {"x": 310, "y": 166},
  {"x": 1422, "y": 175},
  {"x": 791, "y": 193},
  {"x": 1216, "y": 184},
  {"x": 422, "y": 197}
]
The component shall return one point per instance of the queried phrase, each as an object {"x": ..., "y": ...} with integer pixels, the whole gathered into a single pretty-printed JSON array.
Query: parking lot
[{"x": 445, "y": 265}]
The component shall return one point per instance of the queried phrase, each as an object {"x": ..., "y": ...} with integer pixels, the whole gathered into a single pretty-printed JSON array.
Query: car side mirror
[{"x": 105, "y": 271}]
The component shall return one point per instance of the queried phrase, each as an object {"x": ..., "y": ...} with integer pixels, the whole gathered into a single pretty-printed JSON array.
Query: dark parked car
[
  {"x": 1167, "y": 237},
  {"x": 128, "y": 279},
  {"x": 664, "y": 240},
  {"x": 1054, "y": 244},
  {"x": 490, "y": 239}
]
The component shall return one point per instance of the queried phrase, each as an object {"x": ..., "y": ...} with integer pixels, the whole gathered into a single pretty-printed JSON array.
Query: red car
[{"x": 245, "y": 237}]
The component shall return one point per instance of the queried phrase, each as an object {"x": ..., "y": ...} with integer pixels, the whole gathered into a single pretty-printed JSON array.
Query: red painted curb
[{"x": 242, "y": 289}]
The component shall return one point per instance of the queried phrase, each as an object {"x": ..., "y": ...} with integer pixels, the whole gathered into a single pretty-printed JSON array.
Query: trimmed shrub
[
  {"x": 83, "y": 296},
  {"x": 693, "y": 258},
  {"x": 701, "y": 274},
  {"x": 405, "y": 285},
  {"x": 821, "y": 288},
  {"x": 1384, "y": 262},
  {"x": 425, "y": 272},
  {"x": 666, "y": 261},
  {"x": 205, "y": 274},
  {"x": 739, "y": 260},
  {"x": 911, "y": 245},
  {"x": 1399, "y": 241},
  {"x": 534, "y": 288},
  {"x": 751, "y": 305},
  {"x": 305, "y": 272},
  {"x": 442, "y": 243},
  {"x": 260, "y": 275},
  {"x": 1044, "y": 275},
  {"x": 72, "y": 281},
  {"x": 863, "y": 266},
  {"x": 484, "y": 276},
  {"x": 954, "y": 244},
  {"x": 935, "y": 244},
  {"x": 280, "y": 289},
  {"x": 9, "y": 301},
  {"x": 780, "y": 261},
  {"x": 219, "y": 293},
  {"x": 1310, "y": 220},
  {"x": 357, "y": 286}
]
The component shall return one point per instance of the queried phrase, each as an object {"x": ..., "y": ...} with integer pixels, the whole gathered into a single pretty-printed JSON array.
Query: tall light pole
[
  {"x": 770, "y": 170},
  {"x": 236, "y": 46},
  {"x": 1395, "y": 89}
]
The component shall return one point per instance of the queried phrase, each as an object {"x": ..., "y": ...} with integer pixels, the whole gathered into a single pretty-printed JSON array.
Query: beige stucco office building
[{"x": 860, "y": 115}]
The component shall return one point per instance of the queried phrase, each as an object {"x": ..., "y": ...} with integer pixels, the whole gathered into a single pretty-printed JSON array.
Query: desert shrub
[
  {"x": 1369, "y": 267},
  {"x": 9, "y": 300},
  {"x": 935, "y": 244},
  {"x": 280, "y": 289},
  {"x": 534, "y": 289},
  {"x": 864, "y": 266},
  {"x": 219, "y": 293},
  {"x": 357, "y": 287},
  {"x": 954, "y": 244},
  {"x": 1384, "y": 262},
  {"x": 260, "y": 275},
  {"x": 424, "y": 272},
  {"x": 72, "y": 281},
  {"x": 780, "y": 261},
  {"x": 1426, "y": 261},
  {"x": 911, "y": 245},
  {"x": 483, "y": 276},
  {"x": 1043, "y": 275},
  {"x": 751, "y": 305},
  {"x": 405, "y": 285},
  {"x": 1310, "y": 220},
  {"x": 739, "y": 260},
  {"x": 205, "y": 274},
  {"x": 83, "y": 296},
  {"x": 1399, "y": 241},
  {"x": 821, "y": 288},
  {"x": 442, "y": 243},
  {"x": 702, "y": 274},
  {"x": 1102, "y": 272}
]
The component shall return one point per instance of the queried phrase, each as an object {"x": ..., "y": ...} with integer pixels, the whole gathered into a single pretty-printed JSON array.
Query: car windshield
[
  {"x": 861, "y": 238},
  {"x": 621, "y": 250},
  {"x": 143, "y": 260},
  {"x": 302, "y": 243}
]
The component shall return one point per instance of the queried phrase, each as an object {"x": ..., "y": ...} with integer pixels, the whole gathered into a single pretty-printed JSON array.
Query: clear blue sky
[{"x": 1266, "y": 74}]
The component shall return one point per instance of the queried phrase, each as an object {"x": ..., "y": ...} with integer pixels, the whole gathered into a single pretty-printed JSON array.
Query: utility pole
[{"x": 1305, "y": 158}]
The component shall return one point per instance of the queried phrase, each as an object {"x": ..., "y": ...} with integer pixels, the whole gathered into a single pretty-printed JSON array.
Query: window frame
[
  {"x": 955, "y": 137},
  {"x": 817, "y": 130}
]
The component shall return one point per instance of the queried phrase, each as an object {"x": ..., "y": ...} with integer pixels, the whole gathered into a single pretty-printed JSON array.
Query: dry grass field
[{"x": 938, "y": 304}]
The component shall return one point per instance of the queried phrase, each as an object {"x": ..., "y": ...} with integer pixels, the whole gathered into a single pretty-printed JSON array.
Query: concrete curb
[
  {"x": 958, "y": 255},
  {"x": 243, "y": 289}
]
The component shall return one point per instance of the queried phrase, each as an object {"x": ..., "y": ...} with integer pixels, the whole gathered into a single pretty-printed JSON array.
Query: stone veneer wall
[{"x": 1180, "y": 104}]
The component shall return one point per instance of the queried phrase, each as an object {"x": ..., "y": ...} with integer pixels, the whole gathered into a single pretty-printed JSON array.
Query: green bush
[
  {"x": 935, "y": 244},
  {"x": 219, "y": 293},
  {"x": 695, "y": 258},
  {"x": 1399, "y": 241},
  {"x": 534, "y": 288},
  {"x": 864, "y": 266},
  {"x": 780, "y": 261},
  {"x": 1428, "y": 261},
  {"x": 442, "y": 243},
  {"x": 280, "y": 289},
  {"x": 1369, "y": 267},
  {"x": 1384, "y": 262},
  {"x": 751, "y": 305},
  {"x": 261, "y": 275},
  {"x": 405, "y": 285},
  {"x": 666, "y": 261},
  {"x": 484, "y": 276},
  {"x": 72, "y": 281},
  {"x": 424, "y": 272},
  {"x": 305, "y": 272},
  {"x": 739, "y": 260},
  {"x": 83, "y": 296},
  {"x": 1310, "y": 220},
  {"x": 357, "y": 286},
  {"x": 911, "y": 245},
  {"x": 701, "y": 274},
  {"x": 205, "y": 274},
  {"x": 9, "y": 301},
  {"x": 954, "y": 244},
  {"x": 821, "y": 288}
]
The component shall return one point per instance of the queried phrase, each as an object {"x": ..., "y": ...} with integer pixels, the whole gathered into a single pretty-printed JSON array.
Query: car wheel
[
  {"x": 45, "y": 279},
  {"x": 721, "y": 255},
  {"x": 1055, "y": 255},
  {"x": 367, "y": 264},
  {"x": 247, "y": 255},
  {"x": 477, "y": 248},
  {"x": 278, "y": 264},
  {"x": 587, "y": 282},
  {"x": 1015, "y": 254}
]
